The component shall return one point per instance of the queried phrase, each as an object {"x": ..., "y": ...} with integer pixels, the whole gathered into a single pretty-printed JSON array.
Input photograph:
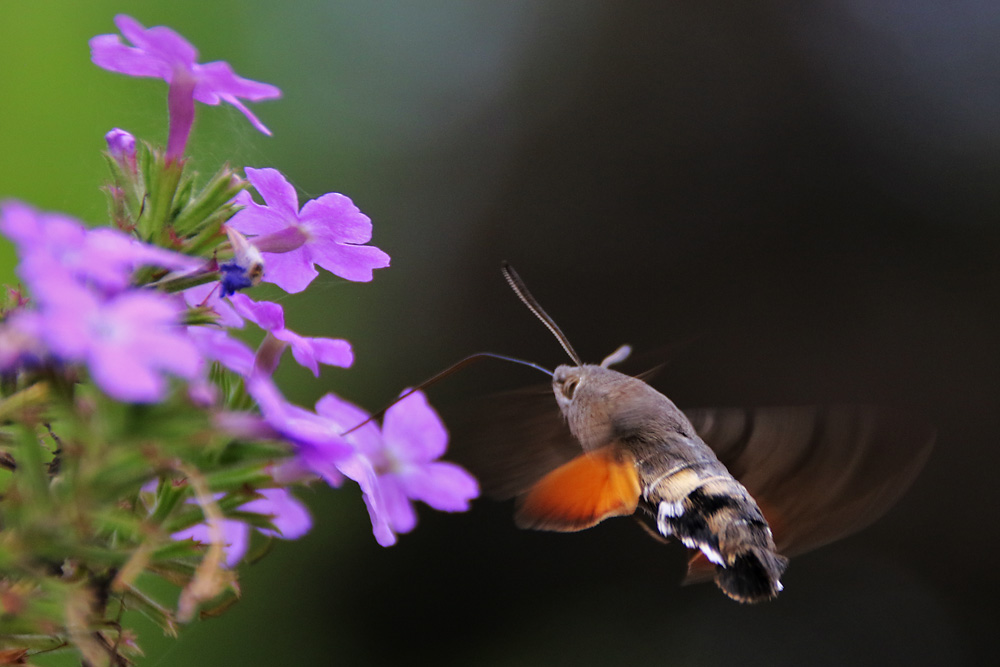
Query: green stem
[{"x": 21, "y": 403}]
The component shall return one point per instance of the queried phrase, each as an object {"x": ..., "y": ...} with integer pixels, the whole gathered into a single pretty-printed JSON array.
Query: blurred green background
[{"x": 790, "y": 203}]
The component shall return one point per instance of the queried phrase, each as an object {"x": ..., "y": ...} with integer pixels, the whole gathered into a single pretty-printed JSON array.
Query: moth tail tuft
[{"x": 752, "y": 576}]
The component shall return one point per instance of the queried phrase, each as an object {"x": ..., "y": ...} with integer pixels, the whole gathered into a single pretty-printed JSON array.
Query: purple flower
[
  {"x": 413, "y": 438},
  {"x": 358, "y": 465},
  {"x": 309, "y": 352},
  {"x": 321, "y": 448},
  {"x": 244, "y": 270},
  {"x": 128, "y": 341},
  {"x": 329, "y": 231},
  {"x": 290, "y": 518},
  {"x": 216, "y": 345},
  {"x": 20, "y": 345},
  {"x": 317, "y": 440},
  {"x": 161, "y": 53},
  {"x": 121, "y": 146},
  {"x": 398, "y": 464},
  {"x": 50, "y": 243}
]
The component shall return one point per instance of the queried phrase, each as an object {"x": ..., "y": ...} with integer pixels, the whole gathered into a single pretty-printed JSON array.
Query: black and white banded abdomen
[{"x": 705, "y": 508}]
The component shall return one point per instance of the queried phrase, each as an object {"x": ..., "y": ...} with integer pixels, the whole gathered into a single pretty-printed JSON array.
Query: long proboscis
[
  {"x": 521, "y": 290},
  {"x": 457, "y": 366}
]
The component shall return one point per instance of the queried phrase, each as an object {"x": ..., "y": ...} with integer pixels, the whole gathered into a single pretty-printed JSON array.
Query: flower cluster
[
  {"x": 137, "y": 433},
  {"x": 85, "y": 311}
]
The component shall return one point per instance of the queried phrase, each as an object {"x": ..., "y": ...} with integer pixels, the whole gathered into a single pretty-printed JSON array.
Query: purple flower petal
[
  {"x": 352, "y": 226},
  {"x": 290, "y": 516},
  {"x": 160, "y": 52},
  {"x": 444, "y": 486},
  {"x": 19, "y": 222},
  {"x": 302, "y": 350},
  {"x": 308, "y": 352},
  {"x": 291, "y": 271},
  {"x": 125, "y": 378},
  {"x": 256, "y": 218},
  {"x": 360, "y": 470},
  {"x": 282, "y": 241},
  {"x": 367, "y": 438},
  {"x": 265, "y": 314},
  {"x": 325, "y": 232},
  {"x": 108, "y": 52},
  {"x": 352, "y": 262},
  {"x": 396, "y": 465},
  {"x": 238, "y": 538},
  {"x": 235, "y": 538},
  {"x": 159, "y": 41},
  {"x": 20, "y": 341},
  {"x": 278, "y": 193},
  {"x": 322, "y": 464},
  {"x": 69, "y": 312},
  {"x": 413, "y": 431},
  {"x": 128, "y": 341},
  {"x": 327, "y": 351},
  {"x": 48, "y": 242},
  {"x": 317, "y": 437},
  {"x": 402, "y": 516},
  {"x": 259, "y": 126},
  {"x": 219, "y": 79},
  {"x": 215, "y": 345}
]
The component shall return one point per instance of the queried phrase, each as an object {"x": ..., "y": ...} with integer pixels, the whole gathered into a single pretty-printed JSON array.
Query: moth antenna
[
  {"x": 458, "y": 365},
  {"x": 524, "y": 295}
]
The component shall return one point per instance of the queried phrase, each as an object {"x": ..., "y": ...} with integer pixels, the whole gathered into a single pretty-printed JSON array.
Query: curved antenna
[
  {"x": 458, "y": 365},
  {"x": 524, "y": 295}
]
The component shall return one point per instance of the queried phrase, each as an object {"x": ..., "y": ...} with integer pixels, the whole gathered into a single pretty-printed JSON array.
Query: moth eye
[{"x": 569, "y": 388}]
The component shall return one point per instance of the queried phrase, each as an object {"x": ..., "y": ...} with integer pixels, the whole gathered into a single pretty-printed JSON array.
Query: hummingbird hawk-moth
[{"x": 744, "y": 489}]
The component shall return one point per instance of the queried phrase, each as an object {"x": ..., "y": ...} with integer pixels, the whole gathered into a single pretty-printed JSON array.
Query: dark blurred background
[{"x": 788, "y": 203}]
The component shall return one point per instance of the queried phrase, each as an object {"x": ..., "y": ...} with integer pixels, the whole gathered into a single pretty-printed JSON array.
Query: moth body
[
  {"x": 820, "y": 473},
  {"x": 679, "y": 480}
]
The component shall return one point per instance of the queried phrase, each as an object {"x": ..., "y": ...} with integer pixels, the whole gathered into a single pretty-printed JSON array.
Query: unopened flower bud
[{"x": 121, "y": 146}]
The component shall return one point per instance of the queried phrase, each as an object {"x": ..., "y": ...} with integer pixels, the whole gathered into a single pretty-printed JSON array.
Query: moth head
[
  {"x": 589, "y": 397},
  {"x": 566, "y": 380},
  {"x": 600, "y": 405}
]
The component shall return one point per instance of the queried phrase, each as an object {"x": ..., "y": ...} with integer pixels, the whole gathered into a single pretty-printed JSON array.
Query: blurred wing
[
  {"x": 582, "y": 493},
  {"x": 510, "y": 441},
  {"x": 818, "y": 473}
]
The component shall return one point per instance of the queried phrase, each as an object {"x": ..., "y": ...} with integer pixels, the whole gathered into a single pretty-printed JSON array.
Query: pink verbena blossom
[
  {"x": 398, "y": 464},
  {"x": 84, "y": 310},
  {"x": 317, "y": 440},
  {"x": 161, "y": 53},
  {"x": 289, "y": 516},
  {"x": 216, "y": 345},
  {"x": 20, "y": 346},
  {"x": 129, "y": 341},
  {"x": 329, "y": 231},
  {"x": 308, "y": 352},
  {"x": 321, "y": 446},
  {"x": 55, "y": 242}
]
